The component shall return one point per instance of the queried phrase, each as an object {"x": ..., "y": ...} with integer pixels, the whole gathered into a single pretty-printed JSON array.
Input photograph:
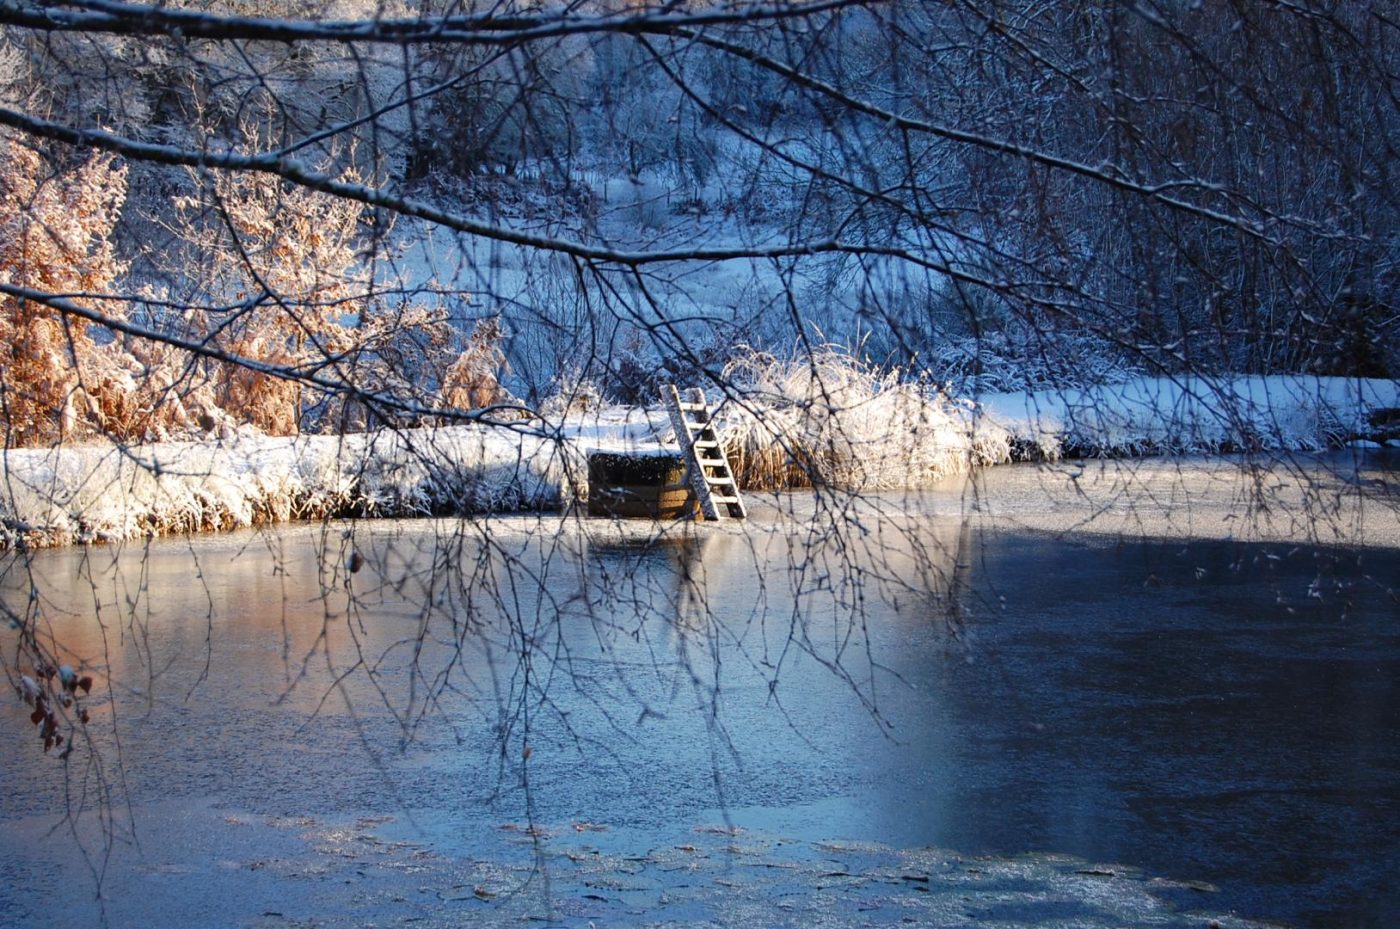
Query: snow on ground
[{"x": 887, "y": 437}]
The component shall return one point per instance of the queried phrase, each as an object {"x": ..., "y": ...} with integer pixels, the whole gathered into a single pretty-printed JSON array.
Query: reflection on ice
[{"x": 909, "y": 672}]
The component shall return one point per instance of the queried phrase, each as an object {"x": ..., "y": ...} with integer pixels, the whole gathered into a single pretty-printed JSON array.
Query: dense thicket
[{"x": 296, "y": 215}]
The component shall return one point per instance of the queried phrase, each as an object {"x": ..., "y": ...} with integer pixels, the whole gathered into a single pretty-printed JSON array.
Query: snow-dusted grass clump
[
  {"x": 1188, "y": 414},
  {"x": 828, "y": 419}
]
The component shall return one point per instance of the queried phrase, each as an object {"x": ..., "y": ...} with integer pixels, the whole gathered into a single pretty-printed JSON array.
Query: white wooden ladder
[{"x": 708, "y": 467}]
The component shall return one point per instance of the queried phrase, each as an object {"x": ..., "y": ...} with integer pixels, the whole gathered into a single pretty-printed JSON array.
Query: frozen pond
[{"x": 927, "y": 714}]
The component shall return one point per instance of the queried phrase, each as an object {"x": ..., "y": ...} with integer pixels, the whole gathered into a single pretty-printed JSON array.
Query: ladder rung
[
  {"x": 720, "y": 499},
  {"x": 712, "y": 481},
  {"x": 692, "y": 407},
  {"x": 705, "y": 443}
]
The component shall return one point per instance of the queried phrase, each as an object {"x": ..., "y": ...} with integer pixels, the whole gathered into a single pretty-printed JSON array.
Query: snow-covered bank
[
  {"x": 881, "y": 435},
  {"x": 1194, "y": 414},
  {"x": 106, "y": 492}
]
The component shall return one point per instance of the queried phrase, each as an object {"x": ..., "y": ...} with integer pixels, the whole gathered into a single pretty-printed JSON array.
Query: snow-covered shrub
[
  {"x": 155, "y": 391},
  {"x": 826, "y": 418},
  {"x": 290, "y": 291},
  {"x": 55, "y": 237},
  {"x": 285, "y": 258},
  {"x": 474, "y": 379},
  {"x": 572, "y": 395},
  {"x": 66, "y": 378}
]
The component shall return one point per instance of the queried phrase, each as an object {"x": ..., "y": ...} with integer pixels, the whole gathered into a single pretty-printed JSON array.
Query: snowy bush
[
  {"x": 291, "y": 292},
  {"x": 474, "y": 378},
  {"x": 55, "y": 236},
  {"x": 826, "y": 418}
]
